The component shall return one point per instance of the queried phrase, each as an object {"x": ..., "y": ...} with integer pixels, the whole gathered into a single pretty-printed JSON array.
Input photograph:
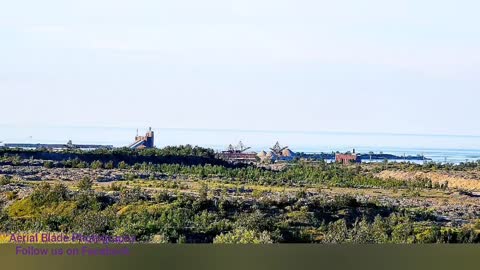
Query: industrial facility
[
  {"x": 238, "y": 154},
  {"x": 277, "y": 153},
  {"x": 348, "y": 158},
  {"x": 68, "y": 145},
  {"x": 235, "y": 154},
  {"x": 142, "y": 142}
]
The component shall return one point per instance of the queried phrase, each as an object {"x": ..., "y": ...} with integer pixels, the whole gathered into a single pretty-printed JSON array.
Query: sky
[{"x": 349, "y": 66}]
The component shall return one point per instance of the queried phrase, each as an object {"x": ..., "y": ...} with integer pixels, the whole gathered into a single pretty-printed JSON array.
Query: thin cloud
[{"x": 46, "y": 29}]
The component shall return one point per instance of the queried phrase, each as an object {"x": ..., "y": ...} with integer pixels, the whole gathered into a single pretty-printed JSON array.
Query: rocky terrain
[
  {"x": 38, "y": 173},
  {"x": 450, "y": 207}
]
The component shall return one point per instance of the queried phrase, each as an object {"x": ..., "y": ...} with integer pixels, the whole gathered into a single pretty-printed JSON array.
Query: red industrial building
[
  {"x": 347, "y": 158},
  {"x": 237, "y": 154}
]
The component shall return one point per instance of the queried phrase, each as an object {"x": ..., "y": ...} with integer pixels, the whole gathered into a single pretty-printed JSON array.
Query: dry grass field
[{"x": 455, "y": 180}]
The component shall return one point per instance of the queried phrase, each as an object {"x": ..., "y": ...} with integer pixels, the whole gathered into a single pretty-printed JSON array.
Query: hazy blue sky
[{"x": 371, "y": 66}]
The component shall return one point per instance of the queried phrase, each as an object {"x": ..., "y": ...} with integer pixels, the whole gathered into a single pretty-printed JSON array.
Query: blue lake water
[{"x": 440, "y": 148}]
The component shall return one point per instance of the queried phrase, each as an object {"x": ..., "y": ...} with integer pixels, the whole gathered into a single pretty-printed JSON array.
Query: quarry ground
[{"x": 451, "y": 206}]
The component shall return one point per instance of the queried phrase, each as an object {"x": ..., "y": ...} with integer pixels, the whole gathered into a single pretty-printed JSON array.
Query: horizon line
[{"x": 258, "y": 130}]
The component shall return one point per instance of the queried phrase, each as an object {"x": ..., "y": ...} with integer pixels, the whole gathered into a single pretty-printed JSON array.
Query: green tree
[
  {"x": 40, "y": 194},
  {"x": 203, "y": 192},
  {"x": 97, "y": 164},
  {"x": 59, "y": 193},
  {"x": 122, "y": 165},
  {"x": 402, "y": 233},
  {"x": 429, "y": 236},
  {"x": 85, "y": 184},
  {"x": 380, "y": 230},
  {"x": 362, "y": 232},
  {"x": 337, "y": 232},
  {"x": 109, "y": 165}
]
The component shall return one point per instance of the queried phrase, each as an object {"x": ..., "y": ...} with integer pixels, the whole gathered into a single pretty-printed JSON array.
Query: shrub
[
  {"x": 115, "y": 187},
  {"x": 81, "y": 165},
  {"x": 48, "y": 164},
  {"x": 256, "y": 221},
  {"x": 162, "y": 196},
  {"x": 128, "y": 196},
  {"x": 4, "y": 180},
  {"x": 243, "y": 236},
  {"x": 346, "y": 201},
  {"x": 92, "y": 222},
  {"x": 44, "y": 194},
  {"x": 159, "y": 239},
  {"x": 86, "y": 201},
  {"x": 16, "y": 160},
  {"x": 10, "y": 195},
  {"x": 301, "y": 194},
  {"x": 182, "y": 239}
]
